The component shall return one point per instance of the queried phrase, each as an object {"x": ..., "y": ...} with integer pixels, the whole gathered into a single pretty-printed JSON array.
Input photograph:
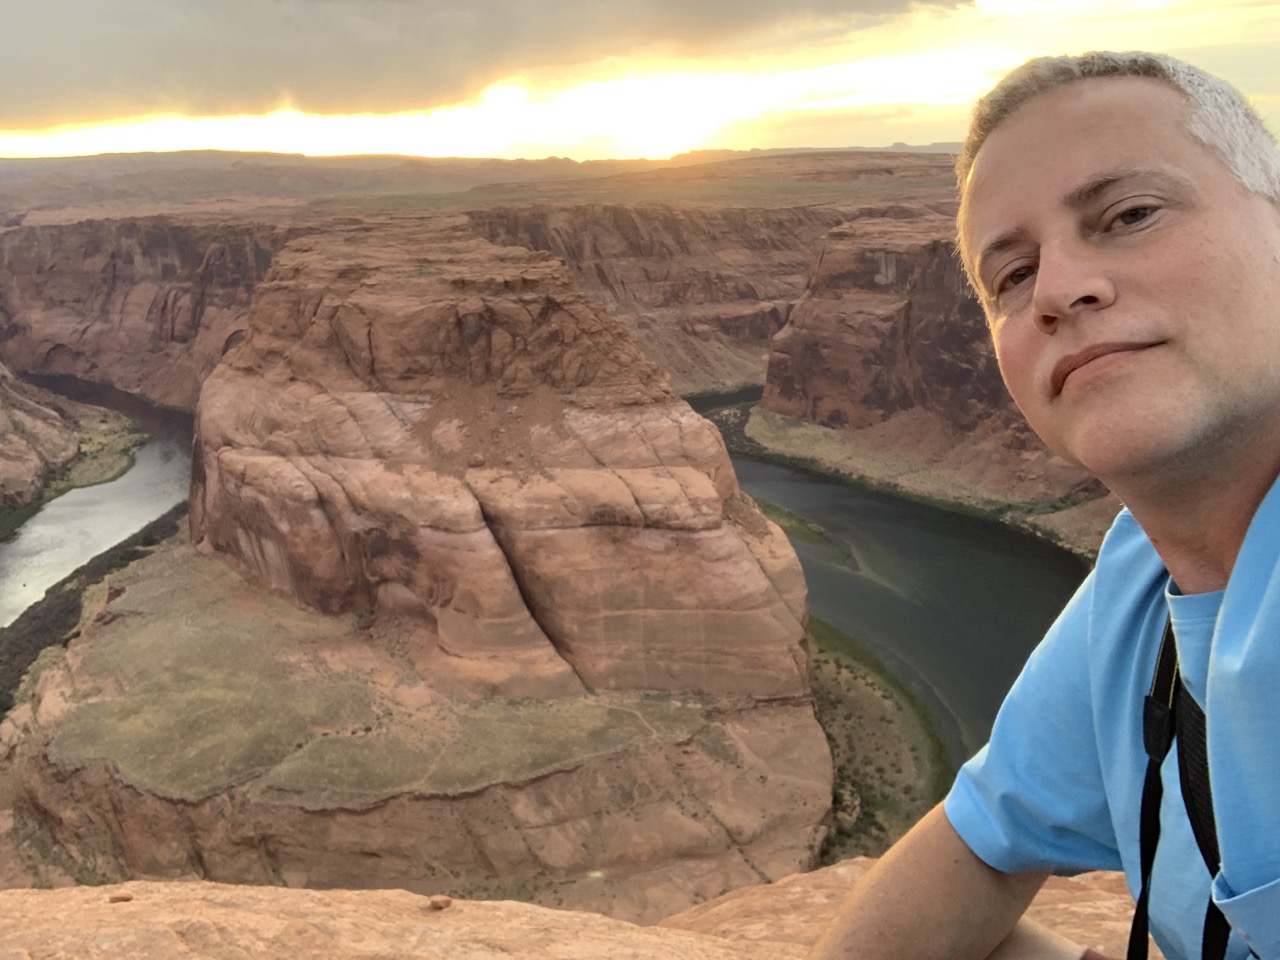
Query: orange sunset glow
[{"x": 907, "y": 76}]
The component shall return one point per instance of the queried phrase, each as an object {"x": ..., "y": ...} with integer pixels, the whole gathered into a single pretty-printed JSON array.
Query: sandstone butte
[
  {"x": 518, "y": 633},
  {"x": 159, "y": 921}
]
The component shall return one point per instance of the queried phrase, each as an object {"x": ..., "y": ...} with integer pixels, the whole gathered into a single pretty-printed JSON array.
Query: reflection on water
[
  {"x": 81, "y": 524},
  {"x": 951, "y": 604}
]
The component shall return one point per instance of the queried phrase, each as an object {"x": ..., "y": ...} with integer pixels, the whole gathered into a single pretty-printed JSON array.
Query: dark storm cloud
[{"x": 69, "y": 60}]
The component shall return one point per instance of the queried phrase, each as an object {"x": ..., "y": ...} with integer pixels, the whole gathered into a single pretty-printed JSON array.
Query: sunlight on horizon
[
  {"x": 655, "y": 116},
  {"x": 925, "y": 67}
]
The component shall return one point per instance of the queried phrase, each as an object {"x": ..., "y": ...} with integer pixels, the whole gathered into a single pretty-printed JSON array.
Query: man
[{"x": 1120, "y": 223}]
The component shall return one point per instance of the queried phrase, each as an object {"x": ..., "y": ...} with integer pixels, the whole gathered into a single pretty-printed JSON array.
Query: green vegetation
[
  {"x": 889, "y": 762},
  {"x": 794, "y": 525},
  {"x": 52, "y": 620},
  {"x": 830, "y": 640},
  {"x": 12, "y": 517}
]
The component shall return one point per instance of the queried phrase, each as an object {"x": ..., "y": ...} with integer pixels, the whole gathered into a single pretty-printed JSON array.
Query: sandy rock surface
[
  {"x": 155, "y": 920},
  {"x": 152, "y": 921}
]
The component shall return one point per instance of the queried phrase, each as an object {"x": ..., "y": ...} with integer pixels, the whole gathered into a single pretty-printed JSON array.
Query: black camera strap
[{"x": 1170, "y": 711}]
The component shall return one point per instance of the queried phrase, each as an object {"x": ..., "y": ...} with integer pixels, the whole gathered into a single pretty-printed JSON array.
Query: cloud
[{"x": 77, "y": 60}]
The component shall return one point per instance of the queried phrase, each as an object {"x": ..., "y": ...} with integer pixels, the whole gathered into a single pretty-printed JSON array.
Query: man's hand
[{"x": 931, "y": 898}]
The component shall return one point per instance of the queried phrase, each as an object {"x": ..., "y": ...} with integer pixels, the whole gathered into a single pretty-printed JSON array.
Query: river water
[
  {"x": 81, "y": 524},
  {"x": 950, "y": 604}
]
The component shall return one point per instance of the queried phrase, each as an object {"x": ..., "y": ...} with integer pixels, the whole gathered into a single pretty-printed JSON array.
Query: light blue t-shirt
[{"x": 1059, "y": 785}]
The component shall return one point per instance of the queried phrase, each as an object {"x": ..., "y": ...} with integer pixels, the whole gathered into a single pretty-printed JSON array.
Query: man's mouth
[{"x": 1073, "y": 362}]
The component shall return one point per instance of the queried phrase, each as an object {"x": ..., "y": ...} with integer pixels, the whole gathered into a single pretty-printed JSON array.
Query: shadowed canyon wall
[
  {"x": 146, "y": 305},
  {"x": 704, "y": 289},
  {"x": 888, "y": 344}
]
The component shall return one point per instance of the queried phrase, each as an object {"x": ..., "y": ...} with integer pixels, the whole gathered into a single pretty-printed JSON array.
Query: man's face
[{"x": 1132, "y": 285}]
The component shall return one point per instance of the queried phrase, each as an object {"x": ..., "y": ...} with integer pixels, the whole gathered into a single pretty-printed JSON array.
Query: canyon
[
  {"x": 514, "y": 630},
  {"x": 811, "y": 274},
  {"x": 888, "y": 347},
  {"x": 517, "y": 628}
]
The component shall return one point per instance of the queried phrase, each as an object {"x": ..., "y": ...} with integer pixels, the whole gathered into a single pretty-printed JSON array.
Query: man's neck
[{"x": 1197, "y": 526}]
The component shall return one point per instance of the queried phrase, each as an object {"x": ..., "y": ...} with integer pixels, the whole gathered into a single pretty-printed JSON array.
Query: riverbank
[
  {"x": 1075, "y": 523},
  {"x": 53, "y": 619},
  {"x": 890, "y": 766},
  {"x": 107, "y": 440},
  {"x": 889, "y": 762}
]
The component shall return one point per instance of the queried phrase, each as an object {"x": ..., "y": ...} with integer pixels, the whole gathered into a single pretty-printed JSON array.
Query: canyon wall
[
  {"x": 888, "y": 346},
  {"x": 703, "y": 289},
  {"x": 518, "y": 632},
  {"x": 147, "y": 305}
]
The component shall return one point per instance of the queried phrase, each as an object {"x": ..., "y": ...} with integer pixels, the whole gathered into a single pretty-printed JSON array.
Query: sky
[{"x": 586, "y": 79}]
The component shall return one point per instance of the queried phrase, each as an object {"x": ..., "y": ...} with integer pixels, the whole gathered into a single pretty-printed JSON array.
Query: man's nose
[{"x": 1071, "y": 278}]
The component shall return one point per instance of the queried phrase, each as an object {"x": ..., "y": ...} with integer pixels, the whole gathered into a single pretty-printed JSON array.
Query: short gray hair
[{"x": 1218, "y": 115}]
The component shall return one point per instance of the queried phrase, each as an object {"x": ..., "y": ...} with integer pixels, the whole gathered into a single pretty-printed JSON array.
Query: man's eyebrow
[{"x": 1091, "y": 189}]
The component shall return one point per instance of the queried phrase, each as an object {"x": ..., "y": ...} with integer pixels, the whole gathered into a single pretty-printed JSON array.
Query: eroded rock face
[
  {"x": 703, "y": 289},
  {"x": 35, "y": 441},
  {"x": 888, "y": 332},
  {"x": 520, "y": 634},
  {"x": 146, "y": 305},
  {"x": 459, "y": 438}
]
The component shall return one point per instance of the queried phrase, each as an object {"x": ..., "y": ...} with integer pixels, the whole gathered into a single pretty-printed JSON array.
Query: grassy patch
[
  {"x": 51, "y": 620},
  {"x": 793, "y": 524}
]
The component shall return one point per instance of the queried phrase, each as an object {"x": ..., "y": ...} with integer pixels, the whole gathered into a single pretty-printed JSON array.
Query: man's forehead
[{"x": 1070, "y": 143}]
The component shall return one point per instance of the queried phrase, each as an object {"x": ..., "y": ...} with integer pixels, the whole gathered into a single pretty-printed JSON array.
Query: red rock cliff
[
  {"x": 889, "y": 343},
  {"x": 35, "y": 440},
  {"x": 146, "y": 305},
  {"x": 702, "y": 288}
]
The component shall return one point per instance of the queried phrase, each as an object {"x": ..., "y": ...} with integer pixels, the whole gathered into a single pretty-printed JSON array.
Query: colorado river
[
  {"x": 950, "y": 604},
  {"x": 81, "y": 524}
]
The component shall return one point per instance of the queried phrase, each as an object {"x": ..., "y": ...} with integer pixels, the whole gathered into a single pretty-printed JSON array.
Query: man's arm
[{"x": 931, "y": 897}]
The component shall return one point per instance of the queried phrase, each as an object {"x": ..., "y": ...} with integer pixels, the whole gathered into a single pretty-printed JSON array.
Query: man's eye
[
  {"x": 1014, "y": 277},
  {"x": 1134, "y": 215}
]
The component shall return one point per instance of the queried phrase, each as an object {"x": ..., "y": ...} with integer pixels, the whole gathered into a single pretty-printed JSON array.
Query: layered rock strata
[
  {"x": 888, "y": 345},
  {"x": 703, "y": 289},
  {"x": 527, "y": 638},
  {"x": 146, "y": 305}
]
